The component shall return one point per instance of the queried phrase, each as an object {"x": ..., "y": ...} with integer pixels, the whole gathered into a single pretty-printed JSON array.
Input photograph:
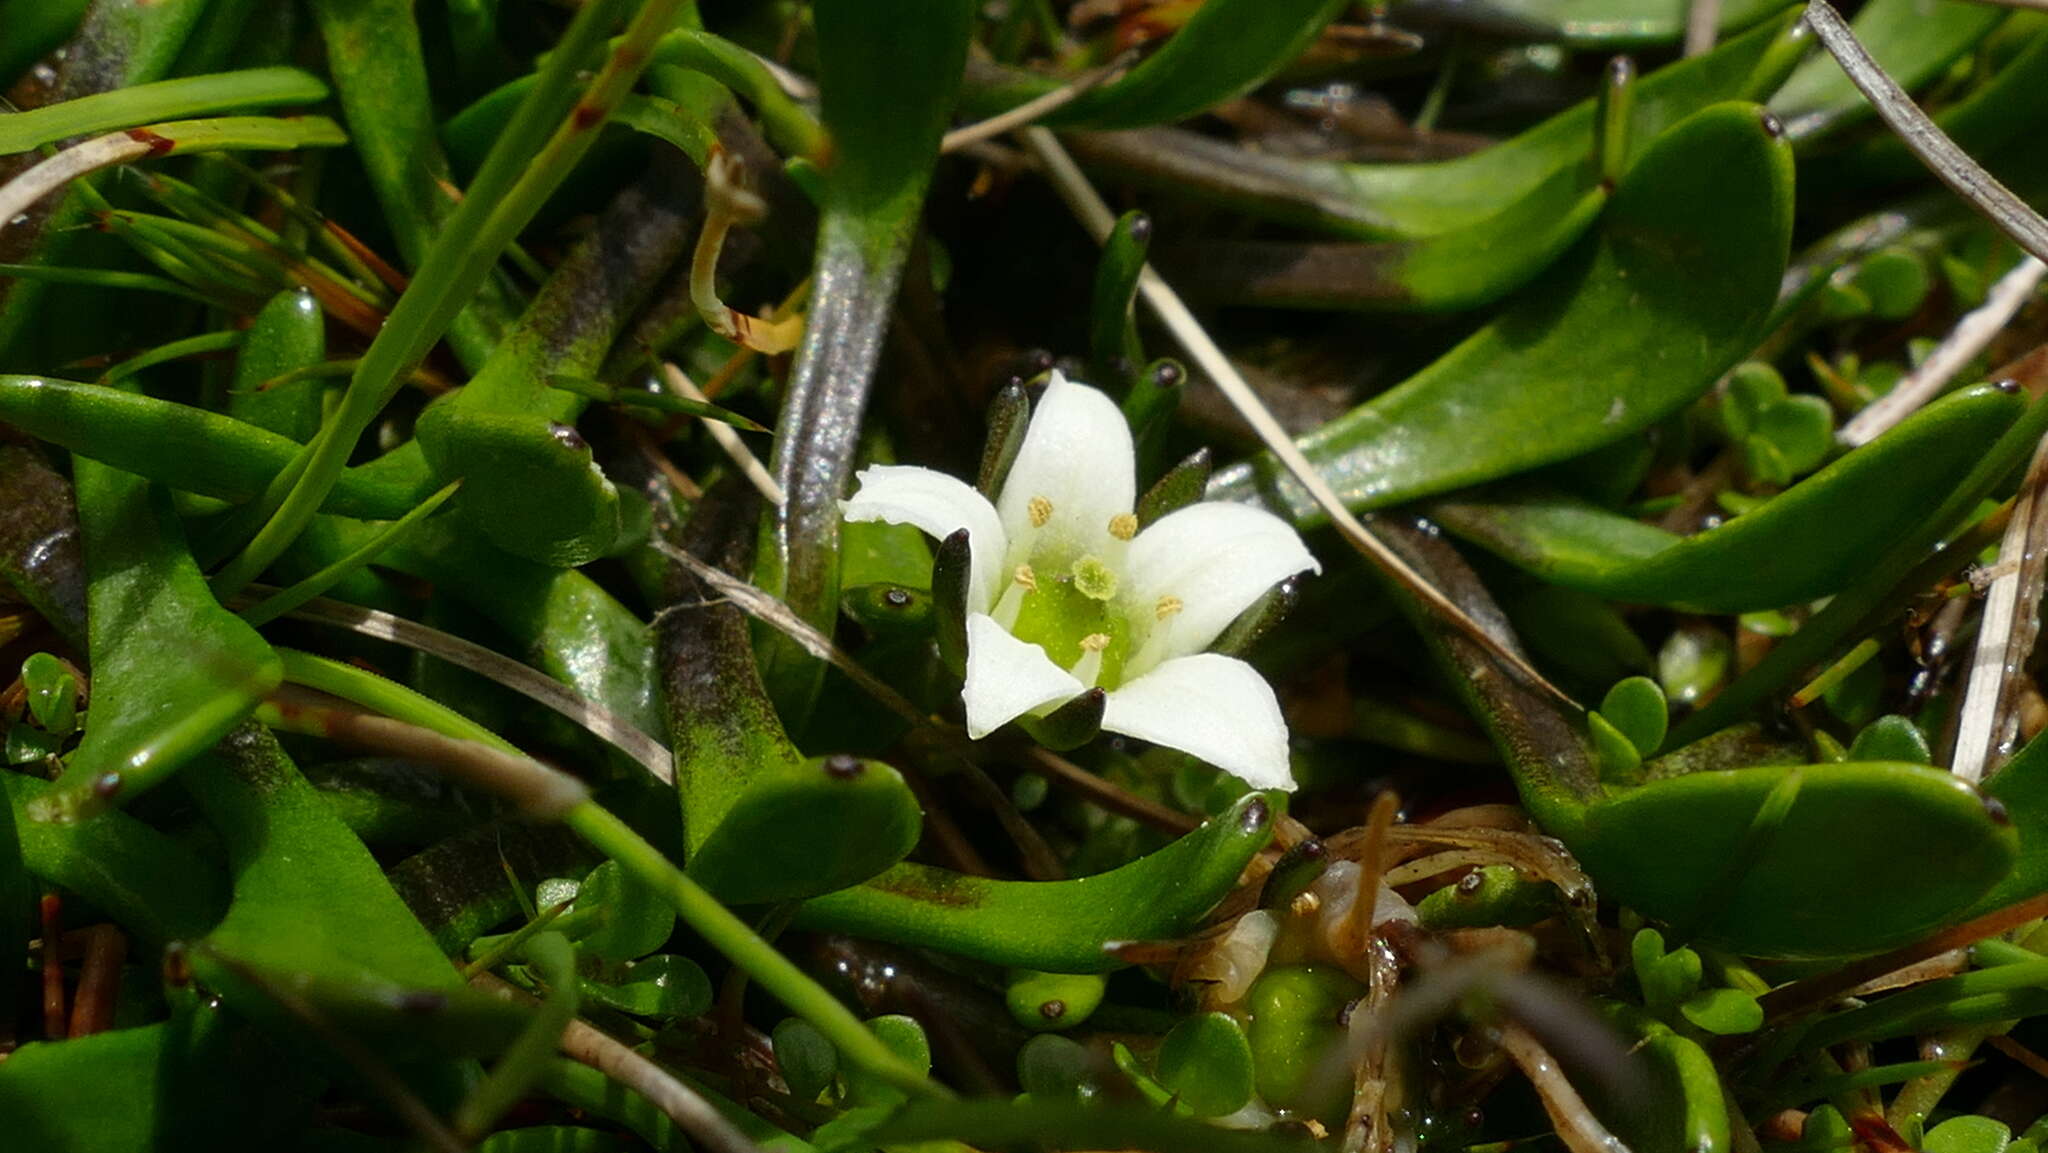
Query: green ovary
[{"x": 1057, "y": 616}]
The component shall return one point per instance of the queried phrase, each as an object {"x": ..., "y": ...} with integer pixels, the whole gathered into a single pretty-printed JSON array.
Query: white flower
[{"x": 1065, "y": 594}]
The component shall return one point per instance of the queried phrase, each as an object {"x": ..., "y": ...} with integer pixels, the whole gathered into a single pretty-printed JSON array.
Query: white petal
[
  {"x": 1215, "y": 707},
  {"x": 1007, "y": 678},
  {"x": 1217, "y": 558},
  {"x": 1077, "y": 454},
  {"x": 941, "y": 505}
]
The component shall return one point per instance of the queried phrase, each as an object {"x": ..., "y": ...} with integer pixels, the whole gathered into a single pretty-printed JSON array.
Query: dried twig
[
  {"x": 538, "y": 791},
  {"x": 2005, "y": 633},
  {"x": 1576, "y": 1126},
  {"x": 1702, "y": 20},
  {"x": 1035, "y": 107},
  {"x": 99, "y": 980},
  {"x": 1812, "y": 992},
  {"x": 1087, "y": 205},
  {"x": 750, "y": 466},
  {"x": 765, "y": 608},
  {"x": 728, "y": 202},
  {"x": 1948, "y": 162},
  {"x": 1144, "y": 810},
  {"x": 599, "y": 721},
  {"x": 698, "y": 1118},
  {"x": 47, "y": 176},
  {"x": 1967, "y": 339},
  {"x": 56, "y": 1022}
]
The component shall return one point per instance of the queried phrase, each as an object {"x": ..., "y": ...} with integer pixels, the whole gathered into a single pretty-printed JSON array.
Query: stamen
[
  {"x": 1123, "y": 526},
  {"x": 1088, "y": 669},
  {"x": 1023, "y": 582},
  {"x": 1039, "y": 510},
  {"x": 1094, "y": 579},
  {"x": 1157, "y": 641}
]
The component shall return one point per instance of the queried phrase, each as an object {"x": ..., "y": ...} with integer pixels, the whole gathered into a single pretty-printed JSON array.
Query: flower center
[{"x": 1071, "y": 617}]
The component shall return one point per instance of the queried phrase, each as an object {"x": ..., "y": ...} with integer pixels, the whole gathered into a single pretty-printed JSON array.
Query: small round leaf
[
  {"x": 808, "y": 1060},
  {"x": 1891, "y": 738},
  {"x": 636, "y": 919},
  {"x": 1636, "y": 706},
  {"x": 1207, "y": 1062},
  {"x": 1055, "y": 1068},
  {"x": 1967, "y": 1135}
]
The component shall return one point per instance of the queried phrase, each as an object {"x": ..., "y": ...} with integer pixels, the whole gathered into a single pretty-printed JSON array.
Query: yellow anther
[
  {"x": 1123, "y": 526},
  {"x": 1168, "y": 605},
  {"x": 1094, "y": 642},
  {"x": 1024, "y": 576},
  {"x": 1040, "y": 511}
]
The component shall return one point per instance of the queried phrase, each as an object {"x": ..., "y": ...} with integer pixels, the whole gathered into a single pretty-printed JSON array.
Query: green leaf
[
  {"x": 52, "y": 694},
  {"x": 1636, "y": 707},
  {"x": 761, "y": 822},
  {"x": 807, "y": 1060},
  {"x": 1914, "y": 41},
  {"x": 151, "y": 885},
  {"x": 1227, "y": 48},
  {"x": 533, "y": 487},
  {"x": 663, "y": 985},
  {"x": 1891, "y": 738},
  {"x": 1412, "y": 201},
  {"x": 1801, "y": 428},
  {"x": 1055, "y": 1068},
  {"x": 1060, "y": 926},
  {"x": 1967, "y": 1135},
  {"x": 27, "y": 744},
  {"x": 1723, "y": 1011},
  {"x": 1911, "y": 832},
  {"x": 1489, "y": 895},
  {"x": 153, "y": 103},
  {"x": 172, "y": 671},
  {"x": 988, "y": 1124},
  {"x": 637, "y": 921},
  {"x": 190, "y": 448},
  {"x": 530, "y": 160},
  {"x": 1896, "y": 280},
  {"x": 1207, "y": 1063},
  {"x": 1809, "y": 541},
  {"x": 888, "y": 70},
  {"x": 1634, "y": 323},
  {"x": 904, "y": 1037},
  {"x": 1295, "y": 1024},
  {"x": 1043, "y": 1001},
  {"x": 204, "y": 1078},
  {"x": 1674, "y": 1101},
  {"x": 1620, "y": 762},
  {"x": 1614, "y": 25},
  {"x": 1667, "y": 979},
  {"x": 289, "y": 334},
  {"x": 1753, "y": 387}
]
